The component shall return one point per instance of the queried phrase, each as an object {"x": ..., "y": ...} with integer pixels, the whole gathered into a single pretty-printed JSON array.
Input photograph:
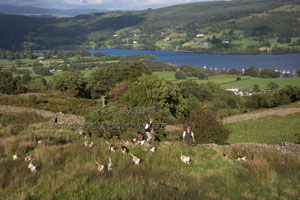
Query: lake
[{"x": 289, "y": 61}]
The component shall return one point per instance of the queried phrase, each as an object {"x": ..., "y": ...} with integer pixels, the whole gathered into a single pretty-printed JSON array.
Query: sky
[{"x": 97, "y": 4}]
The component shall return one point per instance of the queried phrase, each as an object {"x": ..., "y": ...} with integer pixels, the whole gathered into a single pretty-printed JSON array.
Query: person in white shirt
[
  {"x": 188, "y": 136},
  {"x": 149, "y": 130}
]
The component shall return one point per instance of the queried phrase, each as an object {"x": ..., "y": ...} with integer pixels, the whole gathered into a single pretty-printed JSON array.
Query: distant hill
[
  {"x": 239, "y": 26},
  {"x": 34, "y": 11}
]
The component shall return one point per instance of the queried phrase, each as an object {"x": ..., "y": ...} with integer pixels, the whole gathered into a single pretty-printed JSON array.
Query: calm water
[{"x": 290, "y": 61}]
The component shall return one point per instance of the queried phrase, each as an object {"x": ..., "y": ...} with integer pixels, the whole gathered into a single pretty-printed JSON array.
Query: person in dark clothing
[{"x": 188, "y": 136}]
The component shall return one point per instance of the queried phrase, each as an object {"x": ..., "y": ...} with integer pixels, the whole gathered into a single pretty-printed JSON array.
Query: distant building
[
  {"x": 166, "y": 39},
  {"x": 225, "y": 42},
  {"x": 200, "y": 35},
  {"x": 134, "y": 42},
  {"x": 203, "y": 43},
  {"x": 115, "y": 35},
  {"x": 239, "y": 92},
  {"x": 41, "y": 58}
]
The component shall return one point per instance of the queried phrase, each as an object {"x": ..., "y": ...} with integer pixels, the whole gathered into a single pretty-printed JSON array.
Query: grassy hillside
[
  {"x": 270, "y": 130},
  {"x": 67, "y": 170},
  {"x": 229, "y": 81},
  {"x": 249, "y": 26}
]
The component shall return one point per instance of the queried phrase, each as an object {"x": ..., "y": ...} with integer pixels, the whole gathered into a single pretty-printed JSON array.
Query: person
[
  {"x": 149, "y": 130},
  {"x": 188, "y": 136}
]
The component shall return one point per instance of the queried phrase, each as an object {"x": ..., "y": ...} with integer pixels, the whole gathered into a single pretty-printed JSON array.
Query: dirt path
[
  {"x": 61, "y": 118},
  {"x": 248, "y": 116}
]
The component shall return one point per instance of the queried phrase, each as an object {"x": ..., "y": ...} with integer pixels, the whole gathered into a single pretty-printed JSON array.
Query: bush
[
  {"x": 207, "y": 128},
  {"x": 238, "y": 78},
  {"x": 272, "y": 86},
  {"x": 180, "y": 75}
]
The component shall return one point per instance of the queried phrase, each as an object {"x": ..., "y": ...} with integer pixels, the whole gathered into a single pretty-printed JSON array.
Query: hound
[
  {"x": 185, "y": 159},
  {"x": 81, "y": 132},
  {"x": 153, "y": 149},
  {"x": 127, "y": 142},
  {"x": 142, "y": 142},
  {"x": 134, "y": 141},
  {"x": 28, "y": 158},
  {"x": 87, "y": 143},
  {"x": 100, "y": 167},
  {"x": 124, "y": 150},
  {"x": 241, "y": 158},
  {"x": 32, "y": 167},
  {"x": 135, "y": 159},
  {"x": 15, "y": 156},
  {"x": 40, "y": 142},
  {"x": 110, "y": 165},
  {"x": 111, "y": 147},
  {"x": 91, "y": 144},
  {"x": 225, "y": 156}
]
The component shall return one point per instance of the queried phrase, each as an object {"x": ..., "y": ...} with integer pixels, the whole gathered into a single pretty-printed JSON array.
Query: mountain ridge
[{"x": 248, "y": 26}]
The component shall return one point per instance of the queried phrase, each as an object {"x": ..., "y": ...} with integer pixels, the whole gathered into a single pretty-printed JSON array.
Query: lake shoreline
[{"x": 287, "y": 61}]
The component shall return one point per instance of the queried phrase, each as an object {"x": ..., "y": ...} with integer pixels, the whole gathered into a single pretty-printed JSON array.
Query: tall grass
[{"x": 67, "y": 170}]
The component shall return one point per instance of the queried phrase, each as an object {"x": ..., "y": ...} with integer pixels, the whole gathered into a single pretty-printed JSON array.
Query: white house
[
  {"x": 115, "y": 35},
  {"x": 200, "y": 35},
  {"x": 225, "y": 42},
  {"x": 166, "y": 39},
  {"x": 134, "y": 42},
  {"x": 239, "y": 92}
]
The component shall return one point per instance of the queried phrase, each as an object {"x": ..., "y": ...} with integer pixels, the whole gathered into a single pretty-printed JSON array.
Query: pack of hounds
[{"x": 136, "y": 160}]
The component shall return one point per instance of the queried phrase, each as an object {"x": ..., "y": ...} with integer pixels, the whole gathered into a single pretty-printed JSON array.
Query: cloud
[{"x": 100, "y": 4}]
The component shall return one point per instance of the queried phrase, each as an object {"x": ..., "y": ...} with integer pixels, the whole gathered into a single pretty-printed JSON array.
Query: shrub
[
  {"x": 207, "y": 128},
  {"x": 272, "y": 86},
  {"x": 180, "y": 75},
  {"x": 33, "y": 99},
  {"x": 238, "y": 78}
]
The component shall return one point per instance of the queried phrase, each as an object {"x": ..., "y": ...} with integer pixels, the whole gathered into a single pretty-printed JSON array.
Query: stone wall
[
  {"x": 61, "y": 118},
  {"x": 286, "y": 148}
]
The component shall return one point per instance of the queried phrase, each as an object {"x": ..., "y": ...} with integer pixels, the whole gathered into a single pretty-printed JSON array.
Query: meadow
[
  {"x": 269, "y": 130},
  {"x": 67, "y": 170},
  {"x": 229, "y": 81}
]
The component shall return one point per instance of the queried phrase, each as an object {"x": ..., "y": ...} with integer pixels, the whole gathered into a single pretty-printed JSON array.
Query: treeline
[
  {"x": 288, "y": 94},
  {"x": 10, "y": 55},
  {"x": 188, "y": 71}
]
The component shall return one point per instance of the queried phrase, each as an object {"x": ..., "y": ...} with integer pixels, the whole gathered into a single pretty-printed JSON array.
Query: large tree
[
  {"x": 251, "y": 71},
  {"x": 151, "y": 90},
  {"x": 103, "y": 79},
  {"x": 10, "y": 84},
  {"x": 70, "y": 83}
]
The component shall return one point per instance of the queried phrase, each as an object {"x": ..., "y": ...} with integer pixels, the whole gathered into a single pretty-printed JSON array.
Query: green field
[
  {"x": 269, "y": 130},
  {"x": 229, "y": 81}
]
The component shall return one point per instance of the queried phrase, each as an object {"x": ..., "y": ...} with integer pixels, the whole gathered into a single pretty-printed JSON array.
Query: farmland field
[{"x": 228, "y": 81}]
